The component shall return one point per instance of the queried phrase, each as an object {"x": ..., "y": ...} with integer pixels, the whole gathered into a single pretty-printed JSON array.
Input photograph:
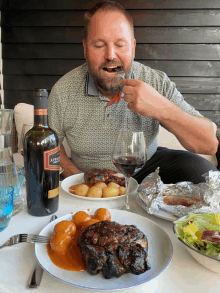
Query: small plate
[
  {"x": 159, "y": 256},
  {"x": 79, "y": 178},
  {"x": 160, "y": 214}
]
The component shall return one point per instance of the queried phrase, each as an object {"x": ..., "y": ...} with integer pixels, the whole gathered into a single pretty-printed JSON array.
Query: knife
[{"x": 38, "y": 271}]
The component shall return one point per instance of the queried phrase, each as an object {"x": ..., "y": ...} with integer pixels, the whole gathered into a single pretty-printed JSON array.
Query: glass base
[
  {"x": 127, "y": 208},
  {"x": 17, "y": 208}
]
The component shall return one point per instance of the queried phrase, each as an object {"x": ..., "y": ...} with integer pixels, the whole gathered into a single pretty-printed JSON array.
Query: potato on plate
[
  {"x": 110, "y": 192},
  {"x": 94, "y": 191},
  {"x": 81, "y": 189}
]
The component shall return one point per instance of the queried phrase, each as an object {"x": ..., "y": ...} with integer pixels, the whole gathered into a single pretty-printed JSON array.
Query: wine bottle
[{"x": 41, "y": 161}]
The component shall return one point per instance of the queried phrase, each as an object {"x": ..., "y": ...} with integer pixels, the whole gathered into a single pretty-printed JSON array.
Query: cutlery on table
[
  {"x": 38, "y": 271},
  {"x": 29, "y": 238}
]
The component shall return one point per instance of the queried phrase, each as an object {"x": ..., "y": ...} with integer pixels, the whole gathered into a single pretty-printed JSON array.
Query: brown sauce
[{"x": 71, "y": 260}]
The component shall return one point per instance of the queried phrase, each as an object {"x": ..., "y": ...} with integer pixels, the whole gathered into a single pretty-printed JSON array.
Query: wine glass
[
  {"x": 24, "y": 130},
  {"x": 129, "y": 156}
]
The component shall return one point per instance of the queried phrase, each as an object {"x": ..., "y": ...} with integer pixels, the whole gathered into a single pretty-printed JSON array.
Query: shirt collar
[{"x": 90, "y": 88}]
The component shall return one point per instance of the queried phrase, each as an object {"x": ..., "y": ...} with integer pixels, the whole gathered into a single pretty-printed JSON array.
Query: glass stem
[{"x": 126, "y": 190}]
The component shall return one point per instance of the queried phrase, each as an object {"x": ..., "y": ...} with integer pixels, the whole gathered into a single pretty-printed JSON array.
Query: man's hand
[
  {"x": 143, "y": 98},
  {"x": 66, "y": 163}
]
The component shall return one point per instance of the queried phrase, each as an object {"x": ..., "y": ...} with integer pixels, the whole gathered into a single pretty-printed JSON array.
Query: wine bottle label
[
  {"x": 53, "y": 193},
  {"x": 40, "y": 112},
  {"x": 52, "y": 159}
]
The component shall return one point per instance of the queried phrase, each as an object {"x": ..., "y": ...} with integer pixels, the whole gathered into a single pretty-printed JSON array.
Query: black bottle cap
[
  {"x": 40, "y": 92},
  {"x": 40, "y": 98}
]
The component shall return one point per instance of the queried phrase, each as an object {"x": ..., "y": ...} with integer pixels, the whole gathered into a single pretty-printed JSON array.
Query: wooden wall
[{"x": 42, "y": 40}]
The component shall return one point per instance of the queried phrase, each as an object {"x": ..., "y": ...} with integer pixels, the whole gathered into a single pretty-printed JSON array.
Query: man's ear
[
  {"x": 84, "y": 47},
  {"x": 134, "y": 46}
]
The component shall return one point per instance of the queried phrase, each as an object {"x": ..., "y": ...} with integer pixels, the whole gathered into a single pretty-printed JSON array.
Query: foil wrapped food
[{"x": 181, "y": 198}]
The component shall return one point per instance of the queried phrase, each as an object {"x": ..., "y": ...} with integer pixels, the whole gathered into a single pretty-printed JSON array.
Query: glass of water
[{"x": 6, "y": 204}]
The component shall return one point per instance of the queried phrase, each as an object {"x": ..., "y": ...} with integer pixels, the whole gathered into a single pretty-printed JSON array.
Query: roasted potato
[
  {"x": 81, "y": 189},
  {"x": 100, "y": 184},
  {"x": 94, "y": 191},
  {"x": 110, "y": 192},
  {"x": 113, "y": 184},
  {"x": 73, "y": 188},
  {"x": 121, "y": 190}
]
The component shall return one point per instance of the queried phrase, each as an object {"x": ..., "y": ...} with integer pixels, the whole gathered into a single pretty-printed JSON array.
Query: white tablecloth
[{"x": 183, "y": 274}]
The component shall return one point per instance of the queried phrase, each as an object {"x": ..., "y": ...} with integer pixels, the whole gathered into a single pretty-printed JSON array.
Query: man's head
[{"x": 109, "y": 44}]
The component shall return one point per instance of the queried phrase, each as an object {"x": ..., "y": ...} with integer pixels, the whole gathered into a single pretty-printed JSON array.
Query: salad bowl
[{"x": 209, "y": 258}]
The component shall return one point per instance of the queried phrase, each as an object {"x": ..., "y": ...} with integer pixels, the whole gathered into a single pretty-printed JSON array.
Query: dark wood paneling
[
  {"x": 203, "y": 102},
  {"x": 142, "y": 34},
  {"x": 212, "y": 115},
  {"x": 197, "y": 85},
  {"x": 28, "y": 82},
  {"x": 178, "y": 51},
  {"x": 61, "y": 66},
  {"x": 176, "y": 17},
  {"x": 14, "y": 97},
  {"x": 43, "y": 51},
  {"x": 40, "y": 66},
  {"x": 60, "y": 35},
  {"x": 143, "y": 51},
  {"x": 87, "y": 4},
  {"x": 140, "y": 17}
]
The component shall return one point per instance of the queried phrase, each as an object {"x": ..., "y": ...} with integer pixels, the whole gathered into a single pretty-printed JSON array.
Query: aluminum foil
[{"x": 202, "y": 197}]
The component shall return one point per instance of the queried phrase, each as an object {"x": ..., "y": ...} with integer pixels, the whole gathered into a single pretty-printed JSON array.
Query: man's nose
[{"x": 110, "y": 53}]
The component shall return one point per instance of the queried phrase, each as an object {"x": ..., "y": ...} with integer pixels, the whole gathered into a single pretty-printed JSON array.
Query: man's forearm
[
  {"x": 66, "y": 163},
  {"x": 196, "y": 134}
]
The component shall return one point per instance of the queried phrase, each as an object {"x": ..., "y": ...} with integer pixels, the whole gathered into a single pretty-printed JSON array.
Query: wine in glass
[{"x": 129, "y": 156}]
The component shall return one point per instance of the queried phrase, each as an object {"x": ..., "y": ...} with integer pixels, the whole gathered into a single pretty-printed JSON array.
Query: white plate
[
  {"x": 79, "y": 178},
  {"x": 159, "y": 256},
  {"x": 160, "y": 214}
]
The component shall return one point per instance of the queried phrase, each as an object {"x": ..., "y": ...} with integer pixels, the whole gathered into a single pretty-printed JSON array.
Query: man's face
[{"x": 109, "y": 48}]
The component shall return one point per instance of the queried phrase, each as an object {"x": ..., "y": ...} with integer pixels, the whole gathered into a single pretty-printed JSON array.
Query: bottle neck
[
  {"x": 40, "y": 111},
  {"x": 41, "y": 120}
]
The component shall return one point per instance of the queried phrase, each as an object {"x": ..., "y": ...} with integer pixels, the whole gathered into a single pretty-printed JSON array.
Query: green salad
[{"x": 201, "y": 231}]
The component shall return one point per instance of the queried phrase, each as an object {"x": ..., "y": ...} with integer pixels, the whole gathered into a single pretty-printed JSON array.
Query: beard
[{"x": 109, "y": 84}]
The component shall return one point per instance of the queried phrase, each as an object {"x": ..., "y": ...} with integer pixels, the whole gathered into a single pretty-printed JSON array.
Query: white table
[{"x": 183, "y": 274}]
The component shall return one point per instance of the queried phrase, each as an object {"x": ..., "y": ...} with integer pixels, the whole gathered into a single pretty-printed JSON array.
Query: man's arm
[
  {"x": 196, "y": 134},
  {"x": 66, "y": 163}
]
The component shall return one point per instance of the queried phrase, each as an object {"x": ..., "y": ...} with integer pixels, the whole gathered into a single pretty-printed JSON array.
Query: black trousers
[{"x": 176, "y": 166}]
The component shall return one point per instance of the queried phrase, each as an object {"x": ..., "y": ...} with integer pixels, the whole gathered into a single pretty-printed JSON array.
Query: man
[{"x": 91, "y": 103}]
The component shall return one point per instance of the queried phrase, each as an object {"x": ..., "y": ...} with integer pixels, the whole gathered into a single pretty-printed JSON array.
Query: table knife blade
[{"x": 37, "y": 274}]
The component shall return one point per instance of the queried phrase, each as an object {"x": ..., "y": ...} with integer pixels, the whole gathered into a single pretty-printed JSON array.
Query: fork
[{"x": 30, "y": 238}]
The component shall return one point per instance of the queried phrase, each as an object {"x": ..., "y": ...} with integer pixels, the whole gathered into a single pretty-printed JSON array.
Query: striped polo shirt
[{"x": 80, "y": 113}]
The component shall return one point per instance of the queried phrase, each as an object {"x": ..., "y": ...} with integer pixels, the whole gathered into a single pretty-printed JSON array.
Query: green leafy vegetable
[{"x": 191, "y": 234}]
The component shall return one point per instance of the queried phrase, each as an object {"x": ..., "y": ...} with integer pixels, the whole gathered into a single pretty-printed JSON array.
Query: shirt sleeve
[{"x": 55, "y": 113}]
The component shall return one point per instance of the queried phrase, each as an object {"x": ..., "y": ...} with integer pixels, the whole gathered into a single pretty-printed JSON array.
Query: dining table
[{"x": 183, "y": 274}]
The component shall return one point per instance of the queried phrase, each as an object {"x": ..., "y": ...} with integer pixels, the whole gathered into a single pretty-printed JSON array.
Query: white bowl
[
  {"x": 111, "y": 202},
  {"x": 207, "y": 261}
]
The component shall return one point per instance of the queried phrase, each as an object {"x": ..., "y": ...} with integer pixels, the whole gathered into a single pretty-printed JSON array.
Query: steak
[
  {"x": 93, "y": 176},
  {"x": 113, "y": 249}
]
